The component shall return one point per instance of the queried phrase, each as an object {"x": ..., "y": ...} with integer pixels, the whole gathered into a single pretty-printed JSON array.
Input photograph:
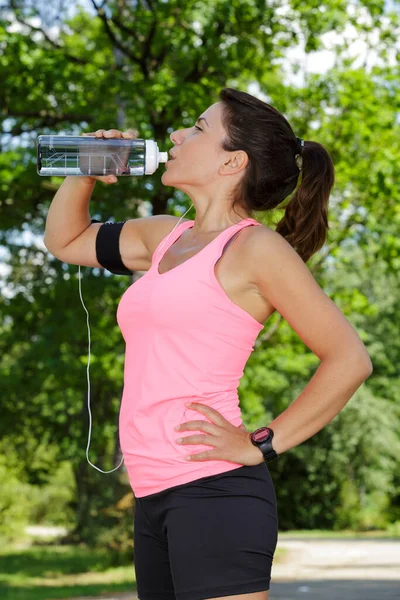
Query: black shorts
[{"x": 215, "y": 536}]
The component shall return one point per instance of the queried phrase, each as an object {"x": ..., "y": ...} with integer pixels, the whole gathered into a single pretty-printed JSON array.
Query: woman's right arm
[
  {"x": 68, "y": 215},
  {"x": 71, "y": 236}
]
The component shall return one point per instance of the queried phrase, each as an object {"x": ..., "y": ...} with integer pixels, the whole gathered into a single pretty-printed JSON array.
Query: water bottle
[{"x": 65, "y": 155}]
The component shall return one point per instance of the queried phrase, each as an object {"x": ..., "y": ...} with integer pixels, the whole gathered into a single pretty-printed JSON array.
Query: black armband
[{"x": 107, "y": 247}]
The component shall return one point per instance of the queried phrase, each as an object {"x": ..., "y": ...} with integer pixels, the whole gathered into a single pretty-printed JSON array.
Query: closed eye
[{"x": 198, "y": 128}]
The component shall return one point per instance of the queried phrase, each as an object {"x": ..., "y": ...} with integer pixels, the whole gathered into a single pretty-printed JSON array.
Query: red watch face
[{"x": 261, "y": 434}]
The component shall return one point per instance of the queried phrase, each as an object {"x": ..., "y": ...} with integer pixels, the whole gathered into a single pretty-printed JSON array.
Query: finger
[
  {"x": 207, "y": 440},
  {"x": 209, "y": 455},
  {"x": 211, "y": 413},
  {"x": 115, "y": 133},
  {"x": 106, "y": 178},
  {"x": 99, "y": 133},
  {"x": 200, "y": 425},
  {"x": 130, "y": 134}
]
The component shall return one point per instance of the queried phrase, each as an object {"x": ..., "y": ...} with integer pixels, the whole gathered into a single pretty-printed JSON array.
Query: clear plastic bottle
[{"x": 65, "y": 155}]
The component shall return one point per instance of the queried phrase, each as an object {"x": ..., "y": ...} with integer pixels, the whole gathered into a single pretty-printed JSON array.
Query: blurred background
[{"x": 68, "y": 67}]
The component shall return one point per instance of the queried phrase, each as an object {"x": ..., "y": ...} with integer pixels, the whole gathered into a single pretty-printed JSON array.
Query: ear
[{"x": 236, "y": 162}]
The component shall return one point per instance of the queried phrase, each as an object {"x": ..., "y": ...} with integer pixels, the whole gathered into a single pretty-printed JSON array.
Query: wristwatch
[{"x": 262, "y": 438}]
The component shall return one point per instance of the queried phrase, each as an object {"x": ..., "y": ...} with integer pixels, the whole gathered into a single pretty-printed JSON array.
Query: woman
[{"x": 207, "y": 527}]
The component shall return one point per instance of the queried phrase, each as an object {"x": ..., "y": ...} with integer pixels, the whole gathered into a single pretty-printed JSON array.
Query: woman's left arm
[{"x": 286, "y": 282}]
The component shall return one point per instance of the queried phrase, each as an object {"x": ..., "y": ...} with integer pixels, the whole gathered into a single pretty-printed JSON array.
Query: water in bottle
[{"x": 65, "y": 155}]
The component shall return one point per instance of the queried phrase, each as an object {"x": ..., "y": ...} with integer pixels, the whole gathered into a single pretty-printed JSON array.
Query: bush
[
  {"x": 15, "y": 503},
  {"x": 51, "y": 502}
]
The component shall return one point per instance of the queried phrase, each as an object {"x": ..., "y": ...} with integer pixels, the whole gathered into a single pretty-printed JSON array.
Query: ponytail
[
  {"x": 272, "y": 172},
  {"x": 305, "y": 222}
]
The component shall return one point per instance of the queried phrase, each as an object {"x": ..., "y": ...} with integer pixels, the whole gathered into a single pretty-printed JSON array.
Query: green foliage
[
  {"x": 51, "y": 502},
  {"x": 13, "y": 513},
  {"x": 23, "y": 502}
]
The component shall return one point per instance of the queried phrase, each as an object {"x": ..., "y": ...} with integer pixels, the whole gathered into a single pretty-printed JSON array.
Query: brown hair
[{"x": 272, "y": 172}]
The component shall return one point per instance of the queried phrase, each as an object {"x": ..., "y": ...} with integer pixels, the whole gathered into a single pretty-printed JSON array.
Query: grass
[{"x": 50, "y": 572}]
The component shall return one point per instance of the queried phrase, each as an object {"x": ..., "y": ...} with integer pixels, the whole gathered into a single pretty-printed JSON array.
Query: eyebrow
[{"x": 202, "y": 119}]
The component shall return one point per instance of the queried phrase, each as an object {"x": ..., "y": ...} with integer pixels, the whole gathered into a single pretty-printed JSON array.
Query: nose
[
  {"x": 176, "y": 137},
  {"x": 173, "y": 138}
]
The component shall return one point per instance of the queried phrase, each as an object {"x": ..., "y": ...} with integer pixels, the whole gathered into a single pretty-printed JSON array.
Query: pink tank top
[{"x": 185, "y": 341}]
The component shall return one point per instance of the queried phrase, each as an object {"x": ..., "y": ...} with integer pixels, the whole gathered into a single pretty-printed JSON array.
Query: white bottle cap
[{"x": 153, "y": 157}]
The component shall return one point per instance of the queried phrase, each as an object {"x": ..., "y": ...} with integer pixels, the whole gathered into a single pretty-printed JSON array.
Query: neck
[{"x": 204, "y": 225}]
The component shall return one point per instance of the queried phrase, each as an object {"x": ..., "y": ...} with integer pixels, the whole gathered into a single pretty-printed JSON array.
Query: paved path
[{"x": 345, "y": 569}]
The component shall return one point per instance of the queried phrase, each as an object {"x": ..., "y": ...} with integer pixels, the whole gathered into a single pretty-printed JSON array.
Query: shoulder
[
  {"x": 262, "y": 239},
  {"x": 158, "y": 227},
  {"x": 270, "y": 257},
  {"x": 280, "y": 274},
  {"x": 141, "y": 236}
]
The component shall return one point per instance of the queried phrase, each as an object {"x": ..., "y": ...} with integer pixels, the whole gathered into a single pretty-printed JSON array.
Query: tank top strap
[
  {"x": 228, "y": 235},
  {"x": 169, "y": 239}
]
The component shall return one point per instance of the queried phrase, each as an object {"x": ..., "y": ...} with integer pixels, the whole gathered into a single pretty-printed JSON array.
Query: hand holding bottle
[{"x": 108, "y": 134}]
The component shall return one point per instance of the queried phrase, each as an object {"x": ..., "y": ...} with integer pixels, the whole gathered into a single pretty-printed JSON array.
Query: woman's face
[{"x": 198, "y": 155}]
